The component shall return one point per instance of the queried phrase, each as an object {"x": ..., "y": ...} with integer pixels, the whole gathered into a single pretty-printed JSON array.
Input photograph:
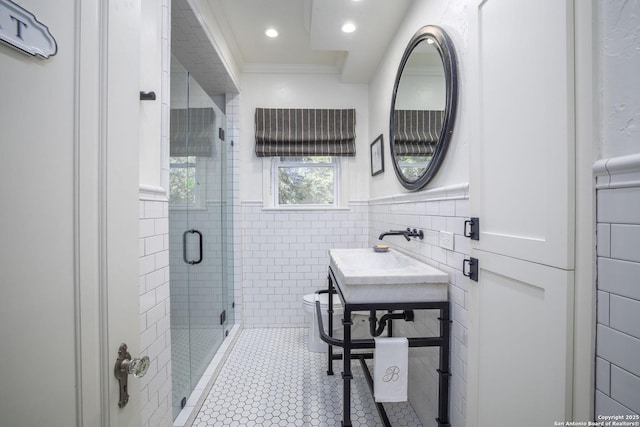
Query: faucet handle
[{"x": 415, "y": 233}]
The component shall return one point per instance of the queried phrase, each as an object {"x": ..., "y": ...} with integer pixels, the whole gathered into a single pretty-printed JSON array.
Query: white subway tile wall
[
  {"x": 618, "y": 329},
  {"x": 435, "y": 211},
  {"x": 232, "y": 111},
  {"x": 285, "y": 256},
  {"x": 155, "y": 338}
]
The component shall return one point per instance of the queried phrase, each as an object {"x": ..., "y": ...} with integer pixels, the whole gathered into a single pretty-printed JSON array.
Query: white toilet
[{"x": 314, "y": 342}]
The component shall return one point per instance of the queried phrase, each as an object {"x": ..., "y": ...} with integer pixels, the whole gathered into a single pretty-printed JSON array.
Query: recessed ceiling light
[
  {"x": 271, "y": 32},
  {"x": 348, "y": 27}
]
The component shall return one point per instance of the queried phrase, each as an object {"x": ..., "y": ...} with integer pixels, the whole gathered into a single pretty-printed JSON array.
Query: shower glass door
[{"x": 199, "y": 220}]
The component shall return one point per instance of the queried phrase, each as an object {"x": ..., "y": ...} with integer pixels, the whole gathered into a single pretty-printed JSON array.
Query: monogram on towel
[{"x": 392, "y": 374}]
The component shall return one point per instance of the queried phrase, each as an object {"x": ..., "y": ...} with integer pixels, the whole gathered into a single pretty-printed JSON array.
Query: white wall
[
  {"x": 453, "y": 17},
  {"x": 620, "y": 91},
  {"x": 154, "y": 41}
]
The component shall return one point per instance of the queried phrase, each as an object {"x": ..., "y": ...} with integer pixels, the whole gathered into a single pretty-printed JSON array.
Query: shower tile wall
[
  {"x": 232, "y": 111},
  {"x": 285, "y": 257},
  {"x": 618, "y": 327},
  {"x": 155, "y": 338},
  {"x": 432, "y": 211}
]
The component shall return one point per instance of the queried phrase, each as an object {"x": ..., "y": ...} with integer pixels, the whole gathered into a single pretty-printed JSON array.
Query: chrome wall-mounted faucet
[{"x": 408, "y": 234}]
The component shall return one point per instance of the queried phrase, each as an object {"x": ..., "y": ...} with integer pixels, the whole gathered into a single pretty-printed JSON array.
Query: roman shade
[
  {"x": 192, "y": 132},
  {"x": 416, "y": 132},
  {"x": 305, "y": 132}
]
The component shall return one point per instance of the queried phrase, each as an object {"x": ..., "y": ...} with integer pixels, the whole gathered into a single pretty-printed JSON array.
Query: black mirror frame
[{"x": 445, "y": 48}]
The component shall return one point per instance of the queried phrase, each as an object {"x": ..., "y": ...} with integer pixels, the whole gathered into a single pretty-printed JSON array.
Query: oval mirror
[{"x": 423, "y": 107}]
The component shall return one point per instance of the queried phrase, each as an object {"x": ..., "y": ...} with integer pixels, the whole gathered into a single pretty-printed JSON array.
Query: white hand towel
[{"x": 391, "y": 363}]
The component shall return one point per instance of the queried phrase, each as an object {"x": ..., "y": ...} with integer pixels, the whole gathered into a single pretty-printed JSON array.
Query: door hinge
[
  {"x": 472, "y": 228},
  {"x": 221, "y": 134},
  {"x": 470, "y": 268},
  {"x": 223, "y": 317}
]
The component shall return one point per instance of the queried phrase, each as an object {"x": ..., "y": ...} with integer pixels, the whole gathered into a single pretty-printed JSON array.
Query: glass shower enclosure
[{"x": 200, "y": 232}]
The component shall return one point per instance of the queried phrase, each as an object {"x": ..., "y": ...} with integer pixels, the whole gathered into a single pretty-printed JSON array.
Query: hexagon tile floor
[{"x": 271, "y": 379}]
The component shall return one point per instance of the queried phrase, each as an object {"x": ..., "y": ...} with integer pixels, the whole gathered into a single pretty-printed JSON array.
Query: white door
[
  {"x": 69, "y": 215},
  {"x": 521, "y": 188}
]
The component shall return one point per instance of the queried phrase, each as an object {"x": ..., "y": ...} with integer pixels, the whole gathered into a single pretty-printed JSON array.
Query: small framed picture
[{"x": 377, "y": 156}]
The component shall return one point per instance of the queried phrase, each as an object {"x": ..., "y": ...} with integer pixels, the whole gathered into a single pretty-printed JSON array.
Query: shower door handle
[{"x": 184, "y": 246}]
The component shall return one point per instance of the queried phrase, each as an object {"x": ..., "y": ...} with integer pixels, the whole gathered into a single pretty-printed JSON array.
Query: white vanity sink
[{"x": 366, "y": 276}]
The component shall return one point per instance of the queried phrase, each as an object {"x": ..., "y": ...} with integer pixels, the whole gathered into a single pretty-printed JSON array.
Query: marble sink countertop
[{"x": 366, "y": 276}]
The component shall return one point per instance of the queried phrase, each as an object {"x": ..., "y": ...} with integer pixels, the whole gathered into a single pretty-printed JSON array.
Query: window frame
[{"x": 282, "y": 161}]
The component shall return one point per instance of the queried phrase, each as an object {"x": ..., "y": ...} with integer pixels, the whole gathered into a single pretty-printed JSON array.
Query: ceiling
[{"x": 310, "y": 37}]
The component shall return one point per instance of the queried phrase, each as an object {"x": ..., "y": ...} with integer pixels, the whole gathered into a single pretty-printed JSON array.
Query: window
[
  {"x": 183, "y": 181},
  {"x": 307, "y": 181}
]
